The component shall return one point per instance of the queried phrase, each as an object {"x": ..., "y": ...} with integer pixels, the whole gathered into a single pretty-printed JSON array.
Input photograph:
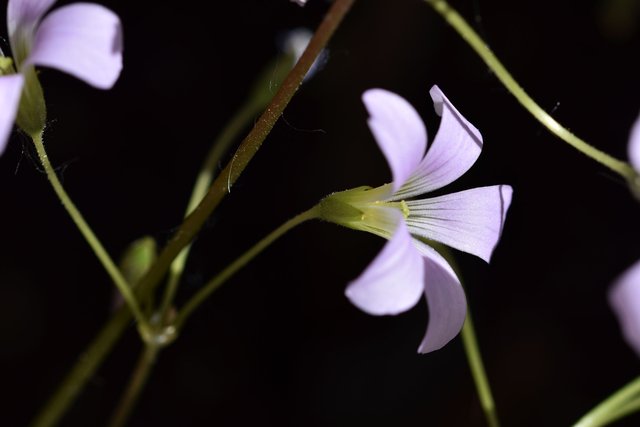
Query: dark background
[{"x": 279, "y": 344}]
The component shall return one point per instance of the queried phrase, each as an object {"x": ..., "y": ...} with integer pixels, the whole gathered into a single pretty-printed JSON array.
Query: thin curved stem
[
  {"x": 248, "y": 148},
  {"x": 65, "y": 395},
  {"x": 612, "y": 408},
  {"x": 239, "y": 121},
  {"x": 137, "y": 382},
  {"x": 478, "y": 372},
  {"x": 236, "y": 265},
  {"x": 89, "y": 235},
  {"x": 479, "y": 46}
]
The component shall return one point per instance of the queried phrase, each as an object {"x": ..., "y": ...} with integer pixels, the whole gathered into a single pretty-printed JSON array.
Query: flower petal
[
  {"x": 445, "y": 298},
  {"x": 10, "y": 90},
  {"x": 393, "y": 282},
  {"x": 25, "y": 14},
  {"x": 624, "y": 298},
  {"x": 455, "y": 149},
  {"x": 398, "y": 130},
  {"x": 82, "y": 39},
  {"x": 634, "y": 146},
  {"x": 470, "y": 220}
]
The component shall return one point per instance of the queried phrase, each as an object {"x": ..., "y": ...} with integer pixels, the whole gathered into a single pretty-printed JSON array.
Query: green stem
[
  {"x": 626, "y": 409},
  {"x": 474, "y": 40},
  {"x": 136, "y": 384},
  {"x": 478, "y": 372},
  {"x": 613, "y": 408},
  {"x": 83, "y": 370},
  {"x": 65, "y": 395},
  {"x": 240, "y": 262},
  {"x": 238, "y": 122},
  {"x": 248, "y": 148},
  {"x": 472, "y": 350},
  {"x": 90, "y": 237}
]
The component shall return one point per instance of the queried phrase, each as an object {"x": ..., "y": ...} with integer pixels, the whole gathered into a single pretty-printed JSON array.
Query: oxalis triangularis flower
[
  {"x": 82, "y": 39},
  {"x": 624, "y": 296},
  {"x": 470, "y": 220}
]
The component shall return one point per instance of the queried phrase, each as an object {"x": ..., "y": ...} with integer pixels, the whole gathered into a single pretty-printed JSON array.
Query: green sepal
[
  {"x": 6, "y": 66},
  {"x": 32, "y": 113},
  {"x": 333, "y": 209}
]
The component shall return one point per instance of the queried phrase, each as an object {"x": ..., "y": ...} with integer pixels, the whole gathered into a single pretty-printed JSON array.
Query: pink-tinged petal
[
  {"x": 624, "y": 298},
  {"x": 393, "y": 282},
  {"x": 398, "y": 130},
  {"x": 634, "y": 146},
  {"x": 82, "y": 39},
  {"x": 470, "y": 220},
  {"x": 10, "y": 90},
  {"x": 455, "y": 149},
  {"x": 25, "y": 14},
  {"x": 445, "y": 298}
]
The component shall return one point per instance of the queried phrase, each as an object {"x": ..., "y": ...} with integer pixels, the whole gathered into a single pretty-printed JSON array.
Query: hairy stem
[
  {"x": 75, "y": 380},
  {"x": 207, "y": 172},
  {"x": 89, "y": 235},
  {"x": 248, "y": 148}
]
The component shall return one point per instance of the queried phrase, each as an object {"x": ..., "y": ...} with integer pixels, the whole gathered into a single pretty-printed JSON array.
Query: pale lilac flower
[
  {"x": 624, "y": 298},
  {"x": 82, "y": 39},
  {"x": 300, "y": 2},
  {"x": 624, "y": 295},
  {"x": 470, "y": 220}
]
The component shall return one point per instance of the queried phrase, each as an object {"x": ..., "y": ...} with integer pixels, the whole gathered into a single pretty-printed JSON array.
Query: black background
[{"x": 279, "y": 344}]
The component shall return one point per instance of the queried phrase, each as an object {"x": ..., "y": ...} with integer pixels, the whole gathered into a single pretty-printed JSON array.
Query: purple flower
[
  {"x": 470, "y": 220},
  {"x": 82, "y": 39},
  {"x": 624, "y": 298},
  {"x": 634, "y": 146},
  {"x": 624, "y": 295}
]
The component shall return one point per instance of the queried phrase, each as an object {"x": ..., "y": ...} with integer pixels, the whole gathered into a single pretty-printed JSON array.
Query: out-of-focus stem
[
  {"x": 65, "y": 395},
  {"x": 239, "y": 122},
  {"x": 614, "y": 407},
  {"x": 136, "y": 384}
]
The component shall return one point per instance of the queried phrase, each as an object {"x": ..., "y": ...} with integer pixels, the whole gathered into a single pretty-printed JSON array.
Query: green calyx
[
  {"x": 361, "y": 208},
  {"x": 334, "y": 208},
  {"x": 6, "y": 66},
  {"x": 32, "y": 113}
]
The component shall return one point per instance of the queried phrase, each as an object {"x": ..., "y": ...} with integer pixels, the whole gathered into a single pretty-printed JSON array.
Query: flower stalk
[
  {"x": 480, "y": 47},
  {"x": 472, "y": 350},
  {"x": 240, "y": 262},
  {"x": 621, "y": 403},
  {"x": 93, "y": 241},
  {"x": 140, "y": 376},
  {"x": 76, "y": 379},
  {"x": 248, "y": 148}
]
